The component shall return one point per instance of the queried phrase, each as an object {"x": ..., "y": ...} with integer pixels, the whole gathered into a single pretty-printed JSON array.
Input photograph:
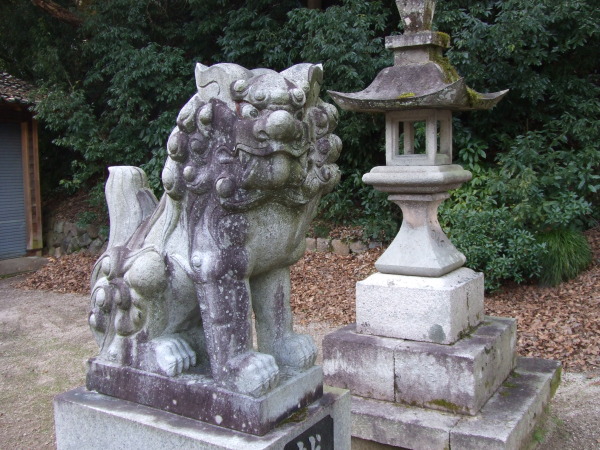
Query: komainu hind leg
[{"x": 129, "y": 316}]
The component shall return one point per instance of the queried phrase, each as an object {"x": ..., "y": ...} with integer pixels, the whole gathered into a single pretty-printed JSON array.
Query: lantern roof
[{"x": 421, "y": 76}]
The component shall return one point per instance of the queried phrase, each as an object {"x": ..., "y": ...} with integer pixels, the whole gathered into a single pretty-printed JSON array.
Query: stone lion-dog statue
[{"x": 249, "y": 159}]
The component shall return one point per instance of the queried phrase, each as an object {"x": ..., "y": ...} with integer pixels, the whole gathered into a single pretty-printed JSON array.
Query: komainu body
[{"x": 249, "y": 159}]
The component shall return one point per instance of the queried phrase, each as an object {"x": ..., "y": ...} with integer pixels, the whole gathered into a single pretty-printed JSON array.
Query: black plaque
[{"x": 317, "y": 437}]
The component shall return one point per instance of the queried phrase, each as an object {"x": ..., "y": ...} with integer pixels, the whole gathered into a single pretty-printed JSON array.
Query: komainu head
[{"x": 251, "y": 136}]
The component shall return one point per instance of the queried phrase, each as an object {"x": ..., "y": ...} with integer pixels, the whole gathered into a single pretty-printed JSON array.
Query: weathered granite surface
[
  {"x": 506, "y": 422},
  {"x": 421, "y": 247},
  {"x": 421, "y": 76},
  {"x": 94, "y": 421},
  {"x": 248, "y": 161},
  {"x": 427, "y": 309},
  {"x": 457, "y": 378},
  {"x": 195, "y": 394}
]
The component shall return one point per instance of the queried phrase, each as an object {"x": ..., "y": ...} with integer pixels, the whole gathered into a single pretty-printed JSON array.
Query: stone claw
[
  {"x": 173, "y": 355},
  {"x": 297, "y": 351},
  {"x": 252, "y": 373}
]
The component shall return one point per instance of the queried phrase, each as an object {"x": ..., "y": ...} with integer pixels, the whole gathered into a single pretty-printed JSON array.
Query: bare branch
[{"x": 58, "y": 12}]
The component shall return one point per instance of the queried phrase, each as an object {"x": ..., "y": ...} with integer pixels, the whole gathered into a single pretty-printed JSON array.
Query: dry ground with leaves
[{"x": 561, "y": 322}]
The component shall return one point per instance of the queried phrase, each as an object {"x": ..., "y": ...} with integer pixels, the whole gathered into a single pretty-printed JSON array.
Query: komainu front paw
[
  {"x": 297, "y": 351},
  {"x": 173, "y": 355},
  {"x": 252, "y": 373}
]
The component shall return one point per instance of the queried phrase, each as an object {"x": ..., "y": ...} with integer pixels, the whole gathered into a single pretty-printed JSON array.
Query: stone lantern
[
  {"x": 421, "y": 87},
  {"x": 425, "y": 367}
]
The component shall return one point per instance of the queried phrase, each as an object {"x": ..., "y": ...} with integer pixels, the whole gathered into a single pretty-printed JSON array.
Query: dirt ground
[{"x": 45, "y": 341}]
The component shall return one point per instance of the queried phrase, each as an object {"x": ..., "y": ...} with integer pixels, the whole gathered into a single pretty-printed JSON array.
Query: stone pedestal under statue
[{"x": 86, "y": 419}]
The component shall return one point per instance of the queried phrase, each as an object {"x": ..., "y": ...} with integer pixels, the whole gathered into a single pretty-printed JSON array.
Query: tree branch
[{"x": 58, "y": 12}]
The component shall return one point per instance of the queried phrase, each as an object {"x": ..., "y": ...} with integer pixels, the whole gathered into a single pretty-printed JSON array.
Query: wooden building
[{"x": 20, "y": 200}]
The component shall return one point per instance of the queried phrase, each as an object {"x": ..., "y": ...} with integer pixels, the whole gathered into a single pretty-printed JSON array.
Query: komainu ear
[
  {"x": 309, "y": 78},
  {"x": 215, "y": 81}
]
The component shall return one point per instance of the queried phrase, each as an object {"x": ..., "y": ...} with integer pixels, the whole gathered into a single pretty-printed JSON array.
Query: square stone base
[
  {"x": 197, "y": 396},
  {"x": 93, "y": 421},
  {"x": 506, "y": 421},
  {"x": 427, "y": 309},
  {"x": 456, "y": 378}
]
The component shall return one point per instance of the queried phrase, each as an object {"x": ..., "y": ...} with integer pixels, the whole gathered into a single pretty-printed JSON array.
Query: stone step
[
  {"x": 457, "y": 378},
  {"x": 506, "y": 421}
]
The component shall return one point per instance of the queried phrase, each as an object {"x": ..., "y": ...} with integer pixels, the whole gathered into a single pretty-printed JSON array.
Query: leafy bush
[
  {"x": 494, "y": 243},
  {"x": 353, "y": 203},
  {"x": 568, "y": 253}
]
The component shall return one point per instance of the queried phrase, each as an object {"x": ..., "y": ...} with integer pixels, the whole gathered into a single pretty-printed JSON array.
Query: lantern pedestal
[{"x": 421, "y": 247}]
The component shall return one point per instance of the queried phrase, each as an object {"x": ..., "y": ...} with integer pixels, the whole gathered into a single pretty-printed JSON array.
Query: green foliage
[
  {"x": 113, "y": 86},
  {"x": 351, "y": 204},
  {"x": 86, "y": 218},
  {"x": 545, "y": 134},
  {"x": 547, "y": 185},
  {"x": 568, "y": 253},
  {"x": 493, "y": 242},
  {"x": 535, "y": 158}
]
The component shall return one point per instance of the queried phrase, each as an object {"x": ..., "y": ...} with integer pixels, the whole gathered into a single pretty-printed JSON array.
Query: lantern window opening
[{"x": 402, "y": 144}]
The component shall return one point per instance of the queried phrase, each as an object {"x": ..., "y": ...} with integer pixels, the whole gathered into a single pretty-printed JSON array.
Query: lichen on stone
[
  {"x": 406, "y": 95},
  {"x": 445, "y": 404}
]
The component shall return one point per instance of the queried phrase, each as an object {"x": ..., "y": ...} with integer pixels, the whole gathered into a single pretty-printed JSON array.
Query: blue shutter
[{"x": 13, "y": 225}]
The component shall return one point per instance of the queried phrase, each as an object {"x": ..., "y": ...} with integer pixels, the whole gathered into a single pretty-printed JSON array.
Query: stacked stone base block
[
  {"x": 427, "y": 309},
  {"x": 506, "y": 421},
  {"x": 198, "y": 397},
  {"x": 93, "y": 421},
  {"x": 428, "y": 371},
  {"x": 456, "y": 378}
]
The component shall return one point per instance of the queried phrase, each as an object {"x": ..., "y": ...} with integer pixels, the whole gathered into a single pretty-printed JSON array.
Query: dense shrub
[
  {"x": 494, "y": 243},
  {"x": 568, "y": 253}
]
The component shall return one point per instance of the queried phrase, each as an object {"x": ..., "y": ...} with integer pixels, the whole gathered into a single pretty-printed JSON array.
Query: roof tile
[{"x": 13, "y": 90}]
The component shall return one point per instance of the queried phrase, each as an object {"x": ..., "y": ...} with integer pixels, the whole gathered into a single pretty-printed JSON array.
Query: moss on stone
[
  {"x": 468, "y": 332},
  {"x": 296, "y": 417},
  {"x": 449, "y": 406},
  {"x": 475, "y": 98},
  {"x": 444, "y": 38},
  {"x": 450, "y": 73},
  {"x": 555, "y": 382},
  {"x": 406, "y": 95}
]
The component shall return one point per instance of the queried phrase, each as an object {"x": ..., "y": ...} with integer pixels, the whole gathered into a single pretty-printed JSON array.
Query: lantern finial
[{"x": 417, "y": 15}]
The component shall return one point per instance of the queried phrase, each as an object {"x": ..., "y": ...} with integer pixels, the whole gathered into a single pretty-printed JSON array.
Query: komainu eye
[{"x": 249, "y": 112}]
